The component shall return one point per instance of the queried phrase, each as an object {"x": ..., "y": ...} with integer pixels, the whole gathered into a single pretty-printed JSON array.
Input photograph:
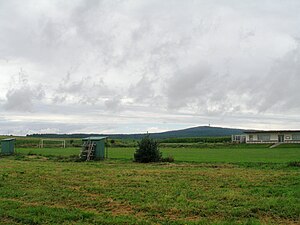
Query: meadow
[
  {"x": 232, "y": 154},
  {"x": 219, "y": 184}
]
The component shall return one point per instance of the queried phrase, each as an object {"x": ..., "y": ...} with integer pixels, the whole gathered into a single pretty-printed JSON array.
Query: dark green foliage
[
  {"x": 197, "y": 140},
  {"x": 122, "y": 143},
  {"x": 294, "y": 164},
  {"x": 147, "y": 151},
  {"x": 27, "y": 142},
  {"x": 201, "y": 131},
  {"x": 168, "y": 159}
]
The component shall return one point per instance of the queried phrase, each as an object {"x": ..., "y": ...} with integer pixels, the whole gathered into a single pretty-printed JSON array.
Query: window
[
  {"x": 296, "y": 137},
  {"x": 264, "y": 137}
]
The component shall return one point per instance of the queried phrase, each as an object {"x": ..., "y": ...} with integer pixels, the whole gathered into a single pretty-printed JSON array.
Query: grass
[
  {"x": 226, "y": 155},
  {"x": 49, "y": 151},
  {"x": 237, "y": 154},
  {"x": 203, "y": 186},
  {"x": 35, "y": 191}
]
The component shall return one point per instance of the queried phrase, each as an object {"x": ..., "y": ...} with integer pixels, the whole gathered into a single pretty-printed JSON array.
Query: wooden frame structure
[{"x": 63, "y": 142}]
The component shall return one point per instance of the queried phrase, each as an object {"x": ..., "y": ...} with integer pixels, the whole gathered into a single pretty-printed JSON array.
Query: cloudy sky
[{"x": 126, "y": 66}]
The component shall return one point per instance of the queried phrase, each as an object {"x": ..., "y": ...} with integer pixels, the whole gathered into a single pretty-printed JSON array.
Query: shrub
[
  {"x": 147, "y": 151},
  {"x": 168, "y": 159},
  {"x": 294, "y": 164}
]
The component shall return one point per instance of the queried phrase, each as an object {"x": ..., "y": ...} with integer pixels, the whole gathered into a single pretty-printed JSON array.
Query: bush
[
  {"x": 147, "y": 151},
  {"x": 294, "y": 164},
  {"x": 168, "y": 159}
]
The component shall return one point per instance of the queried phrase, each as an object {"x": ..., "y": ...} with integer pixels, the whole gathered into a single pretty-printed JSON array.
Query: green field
[
  {"x": 254, "y": 153},
  {"x": 234, "y": 185}
]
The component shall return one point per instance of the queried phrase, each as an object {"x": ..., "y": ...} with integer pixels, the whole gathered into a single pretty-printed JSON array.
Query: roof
[
  {"x": 94, "y": 138},
  {"x": 270, "y": 131},
  {"x": 8, "y": 139}
]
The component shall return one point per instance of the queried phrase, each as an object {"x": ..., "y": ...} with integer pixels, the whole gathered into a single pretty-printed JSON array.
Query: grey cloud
[
  {"x": 189, "y": 85},
  {"x": 24, "y": 127},
  {"x": 22, "y": 96},
  {"x": 88, "y": 90},
  {"x": 280, "y": 88},
  {"x": 205, "y": 90},
  {"x": 208, "y": 58},
  {"x": 22, "y": 99},
  {"x": 142, "y": 90},
  {"x": 114, "y": 104}
]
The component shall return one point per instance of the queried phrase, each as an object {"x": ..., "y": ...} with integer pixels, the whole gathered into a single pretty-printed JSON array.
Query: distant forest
[{"x": 201, "y": 131}]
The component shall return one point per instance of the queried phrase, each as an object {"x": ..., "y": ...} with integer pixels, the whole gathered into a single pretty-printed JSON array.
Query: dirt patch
[
  {"x": 277, "y": 220},
  {"x": 118, "y": 208},
  {"x": 6, "y": 220},
  {"x": 198, "y": 165}
]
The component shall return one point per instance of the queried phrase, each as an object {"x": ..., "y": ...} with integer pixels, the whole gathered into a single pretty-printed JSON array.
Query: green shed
[
  {"x": 93, "y": 148},
  {"x": 8, "y": 146}
]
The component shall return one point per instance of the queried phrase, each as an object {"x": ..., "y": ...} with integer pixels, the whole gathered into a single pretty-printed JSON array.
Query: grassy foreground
[
  {"x": 35, "y": 190},
  {"x": 243, "y": 185}
]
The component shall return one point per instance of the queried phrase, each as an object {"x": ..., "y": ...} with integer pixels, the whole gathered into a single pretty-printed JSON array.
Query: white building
[
  {"x": 268, "y": 136},
  {"x": 238, "y": 138},
  {"x": 273, "y": 136}
]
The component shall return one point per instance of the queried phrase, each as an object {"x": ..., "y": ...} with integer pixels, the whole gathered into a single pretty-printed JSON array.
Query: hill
[{"x": 200, "y": 131}]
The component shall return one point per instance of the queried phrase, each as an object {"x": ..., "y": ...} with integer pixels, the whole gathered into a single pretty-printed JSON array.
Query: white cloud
[
  {"x": 141, "y": 61},
  {"x": 21, "y": 95}
]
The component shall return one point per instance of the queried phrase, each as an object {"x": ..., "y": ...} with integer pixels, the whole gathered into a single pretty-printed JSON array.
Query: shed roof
[
  {"x": 270, "y": 131},
  {"x": 8, "y": 139},
  {"x": 94, "y": 138}
]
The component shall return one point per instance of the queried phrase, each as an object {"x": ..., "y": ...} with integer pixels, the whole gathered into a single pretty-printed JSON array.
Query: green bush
[
  {"x": 294, "y": 164},
  {"x": 168, "y": 159},
  {"x": 147, "y": 151}
]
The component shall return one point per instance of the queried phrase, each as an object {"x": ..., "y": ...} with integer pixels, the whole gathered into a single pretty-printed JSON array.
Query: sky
[{"x": 132, "y": 66}]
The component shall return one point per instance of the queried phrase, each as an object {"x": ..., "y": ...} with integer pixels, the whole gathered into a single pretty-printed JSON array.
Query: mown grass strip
[{"x": 109, "y": 192}]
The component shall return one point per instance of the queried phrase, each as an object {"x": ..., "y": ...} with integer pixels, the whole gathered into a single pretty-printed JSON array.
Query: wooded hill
[{"x": 200, "y": 131}]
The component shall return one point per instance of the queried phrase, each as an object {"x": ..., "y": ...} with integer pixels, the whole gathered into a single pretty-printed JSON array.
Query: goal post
[{"x": 62, "y": 142}]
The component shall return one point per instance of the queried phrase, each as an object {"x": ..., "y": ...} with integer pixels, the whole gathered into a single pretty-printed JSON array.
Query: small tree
[{"x": 147, "y": 151}]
